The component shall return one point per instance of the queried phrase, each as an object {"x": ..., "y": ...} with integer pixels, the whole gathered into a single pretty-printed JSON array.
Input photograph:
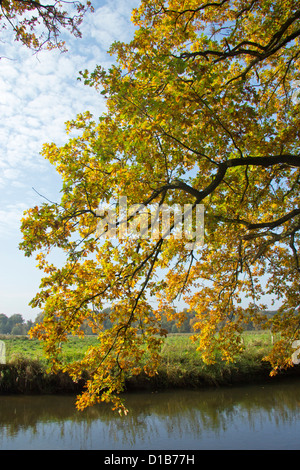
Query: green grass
[
  {"x": 33, "y": 349},
  {"x": 177, "y": 347},
  {"x": 181, "y": 364}
]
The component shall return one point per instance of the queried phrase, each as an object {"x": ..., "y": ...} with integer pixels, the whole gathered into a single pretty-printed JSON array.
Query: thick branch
[
  {"x": 289, "y": 159},
  {"x": 273, "y": 45},
  {"x": 292, "y": 160},
  {"x": 275, "y": 223},
  {"x": 254, "y": 226}
]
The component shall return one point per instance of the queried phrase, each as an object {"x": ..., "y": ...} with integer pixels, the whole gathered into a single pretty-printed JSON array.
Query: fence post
[{"x": 2, "y": 353}]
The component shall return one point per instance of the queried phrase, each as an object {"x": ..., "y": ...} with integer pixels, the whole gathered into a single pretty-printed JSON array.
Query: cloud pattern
[{"x": 38, "y": 94}]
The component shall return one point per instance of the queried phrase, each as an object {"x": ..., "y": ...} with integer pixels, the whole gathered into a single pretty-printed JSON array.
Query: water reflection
[{"x": 252, "y": 417}]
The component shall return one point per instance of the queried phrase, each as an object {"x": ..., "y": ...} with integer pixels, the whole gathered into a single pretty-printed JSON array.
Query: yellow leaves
[
  {"x": 280, "y": 357},
  {"x": 40, "y": 28},
  {"x": 181, "y": 107},
  {"x": 121, "y": 410}
]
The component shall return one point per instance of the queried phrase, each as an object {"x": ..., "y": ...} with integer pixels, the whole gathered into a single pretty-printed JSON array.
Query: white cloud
[
  {"x": 11, "y": 173},
  {"x": 10, "y": 217},
  {"x": 110, "y": 22},
  {"x": 38, "y": 93}
]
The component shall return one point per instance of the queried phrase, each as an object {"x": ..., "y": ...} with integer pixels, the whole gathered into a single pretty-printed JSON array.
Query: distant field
[
  {"x": 176, "y": 347},
  {"x": 33, "y": 348},
  {"x": 181, "y": 365}
]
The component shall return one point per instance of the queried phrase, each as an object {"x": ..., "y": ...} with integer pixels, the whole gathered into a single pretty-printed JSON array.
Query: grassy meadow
[
  {"x": 181, "y": 365},
  {"x": 177, "y": 349}
]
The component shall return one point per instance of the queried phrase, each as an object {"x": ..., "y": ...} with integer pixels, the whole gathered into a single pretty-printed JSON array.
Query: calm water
[{"x": 255, "y": 417}]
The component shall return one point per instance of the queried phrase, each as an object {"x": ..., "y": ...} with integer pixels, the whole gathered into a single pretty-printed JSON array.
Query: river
[{"x": 246, "y": 417}]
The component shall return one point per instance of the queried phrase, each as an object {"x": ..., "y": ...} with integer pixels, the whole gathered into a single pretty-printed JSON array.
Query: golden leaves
[
  {"x": 194, "y": 116},
  {"x": 37, "y": 25}
]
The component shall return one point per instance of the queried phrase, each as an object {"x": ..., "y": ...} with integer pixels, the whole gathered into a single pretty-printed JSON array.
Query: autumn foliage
[
  {"x": 38, "y": 25},
  {"x": 202, "y": 108}
]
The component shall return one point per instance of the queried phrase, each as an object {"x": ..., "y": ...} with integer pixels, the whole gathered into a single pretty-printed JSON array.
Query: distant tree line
[{"x": 16, "y": 325}]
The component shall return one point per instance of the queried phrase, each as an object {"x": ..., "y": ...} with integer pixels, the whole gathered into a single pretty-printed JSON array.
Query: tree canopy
[
  {"x": 14, "y": 325},
  {"x": 38, "y": 25},
  {"x": 202, "y": 109}
]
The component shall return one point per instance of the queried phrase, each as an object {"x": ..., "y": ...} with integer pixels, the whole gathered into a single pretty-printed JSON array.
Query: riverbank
[{"x": 181, "y": 367}]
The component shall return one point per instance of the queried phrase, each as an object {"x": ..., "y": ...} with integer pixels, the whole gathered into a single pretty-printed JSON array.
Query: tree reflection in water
[{"x": 181, "y": 419}]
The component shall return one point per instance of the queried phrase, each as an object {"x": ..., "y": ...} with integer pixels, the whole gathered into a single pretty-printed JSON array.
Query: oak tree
[
  {"x": 38, "y": 24},
  {"x": 202, "y": 109}
]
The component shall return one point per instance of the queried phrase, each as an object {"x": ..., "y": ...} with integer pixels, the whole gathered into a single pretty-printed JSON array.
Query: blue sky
[{"x": 38, "y": 94}]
